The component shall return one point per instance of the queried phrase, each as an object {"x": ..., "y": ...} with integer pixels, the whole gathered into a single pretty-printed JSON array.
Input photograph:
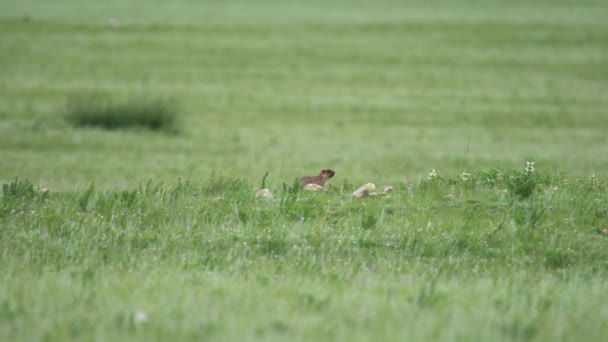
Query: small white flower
[
  {"x": 529, "y": 167},
  {"x": 432, "y": 174},
  {"x": 140, "y": 317},
  {"x": 593, "y": 180},
  {"x": 465, "y": 176}
]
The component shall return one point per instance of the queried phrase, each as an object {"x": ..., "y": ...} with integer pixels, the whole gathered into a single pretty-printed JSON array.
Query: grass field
[{"x": 155, "y": 234}]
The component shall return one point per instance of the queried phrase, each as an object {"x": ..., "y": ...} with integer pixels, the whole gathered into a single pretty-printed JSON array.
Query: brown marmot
[{"x": 319, "y": 179}]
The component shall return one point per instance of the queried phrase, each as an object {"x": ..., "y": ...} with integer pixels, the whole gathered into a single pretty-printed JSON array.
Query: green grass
[
  {"x": 379, "y": 91},
  {"x": 211, "y": 261},
  {"x": 95, "y": 111},
  {"x": 389, "y": 89}
]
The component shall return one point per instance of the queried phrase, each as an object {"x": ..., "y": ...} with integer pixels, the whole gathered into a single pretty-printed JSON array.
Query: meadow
[{"x": 110, "y": 230}]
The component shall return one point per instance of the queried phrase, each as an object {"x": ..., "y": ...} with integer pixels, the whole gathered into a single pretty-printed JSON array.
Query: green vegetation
[
  {"x": 445, "y": 258},
  {"x": 372, "y": 89},
  {"x": 104, "y": 113},
  {"x": 133, "y": 234}
]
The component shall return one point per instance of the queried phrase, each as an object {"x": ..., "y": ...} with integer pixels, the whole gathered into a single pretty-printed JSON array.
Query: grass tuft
[
  {"x": 112, "y": 114},
  {"x": 18, "y": 189},
  {"x": 18, "y": 195},
  {"x": 83, "y": 200}
]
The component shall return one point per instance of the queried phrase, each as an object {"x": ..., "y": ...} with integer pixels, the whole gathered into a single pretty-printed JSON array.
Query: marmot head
[{"x": 327, "y": 173}]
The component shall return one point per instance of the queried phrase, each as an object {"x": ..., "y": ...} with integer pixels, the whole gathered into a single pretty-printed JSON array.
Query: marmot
[{"x": 319, "y": 179}]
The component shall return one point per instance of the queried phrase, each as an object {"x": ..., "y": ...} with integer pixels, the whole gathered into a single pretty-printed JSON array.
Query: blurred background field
[{"x": 373, "y": 89}]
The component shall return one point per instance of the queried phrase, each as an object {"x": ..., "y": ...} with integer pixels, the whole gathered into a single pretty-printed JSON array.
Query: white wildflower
[
  {"x": 140, "y": 317},
  {"x": 432, "y": 174},
  {"x": 465, "y": 176},
  {"x": 529, "y": 167},
  {"x": 593, "y": 180}
]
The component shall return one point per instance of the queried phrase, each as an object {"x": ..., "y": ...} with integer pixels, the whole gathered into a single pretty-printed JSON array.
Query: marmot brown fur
[{"x": 319, "y": 179}]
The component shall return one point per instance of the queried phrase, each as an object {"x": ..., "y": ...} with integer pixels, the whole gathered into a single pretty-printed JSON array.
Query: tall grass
[{"x": 471, "y": 258}]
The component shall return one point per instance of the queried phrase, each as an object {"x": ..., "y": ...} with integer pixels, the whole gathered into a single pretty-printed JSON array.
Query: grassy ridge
[
  {"x": 561, "y": 217},
  {"x": 516, "y": 268},
  {"x": 547, "y": 220}
]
